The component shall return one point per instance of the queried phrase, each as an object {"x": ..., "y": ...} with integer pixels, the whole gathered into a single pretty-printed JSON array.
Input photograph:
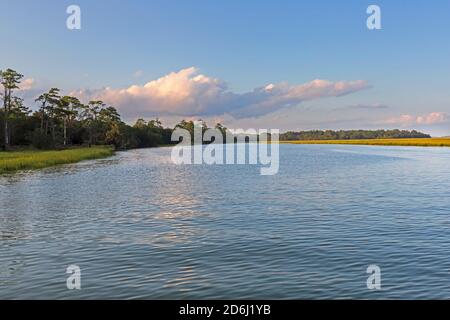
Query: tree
[
  {"x": 155, "y": 124},
  {"x": 67, "y": 109},
  {"x": 10, "y": 80},
  {"x": 187, "y": 125},
  {"x": 113, "y": 135},
  {"x": 18, "y": 107},
  {"x": 223, "y": 130},
  {"x": 140, "y": 124},
  {"x": 109, "y": 115},
  {"x": 351, "y": 134},
  {"x": 18, "y": 121},
  {"x": 109, "y": 120},
  {"x": 89, "y": 114},
  {"x": 48, "y": 100}
]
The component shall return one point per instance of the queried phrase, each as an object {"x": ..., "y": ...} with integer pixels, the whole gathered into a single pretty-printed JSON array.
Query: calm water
[{"x": 140, "y": 227}]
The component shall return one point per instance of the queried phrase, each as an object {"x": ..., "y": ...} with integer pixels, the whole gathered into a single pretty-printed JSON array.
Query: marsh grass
[
  {"x": 423, "y": 142},
  {"x": 31, "y": 160}
]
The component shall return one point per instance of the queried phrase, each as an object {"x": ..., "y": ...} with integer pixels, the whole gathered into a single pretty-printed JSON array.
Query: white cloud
[
  {"x": 27, "y": 84},
  {"x": 429, "y": 119},
  {"x": 189, "y": 93},
  {"x": 433, "y": 118}
]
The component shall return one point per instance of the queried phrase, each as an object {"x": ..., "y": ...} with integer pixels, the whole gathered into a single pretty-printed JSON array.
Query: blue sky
[{"x": 240, "y": 47}]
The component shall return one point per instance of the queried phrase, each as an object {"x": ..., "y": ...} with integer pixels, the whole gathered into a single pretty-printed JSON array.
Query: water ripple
[{"x": 140, "y": 227}]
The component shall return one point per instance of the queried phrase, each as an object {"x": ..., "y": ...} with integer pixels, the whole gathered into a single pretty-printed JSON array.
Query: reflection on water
[{"x": 141, "y": 227}]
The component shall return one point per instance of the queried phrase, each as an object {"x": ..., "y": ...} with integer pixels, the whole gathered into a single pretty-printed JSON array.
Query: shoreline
[
  {"x": 19, "y": 160},
  {"x": 422, "y": 142},
  {"x": 15, "y": 161}
]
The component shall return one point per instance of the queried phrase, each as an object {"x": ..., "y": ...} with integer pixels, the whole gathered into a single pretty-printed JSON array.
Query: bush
[{"x": 40, "y": 140}]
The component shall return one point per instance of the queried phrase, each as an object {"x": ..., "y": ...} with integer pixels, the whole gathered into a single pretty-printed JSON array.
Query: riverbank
[
  {"x": 423, "y": 142},
  {"x": 13, "y": 161}
]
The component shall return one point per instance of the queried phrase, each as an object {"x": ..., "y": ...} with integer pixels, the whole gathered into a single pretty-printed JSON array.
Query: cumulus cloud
[
  {"x": 189, "y": 93},
  {"x": 429, "y": 119},
  {"x": 27, "y": 84},
  {"x": 29, "y": 90},
  {"x": 433, "y": 118}
]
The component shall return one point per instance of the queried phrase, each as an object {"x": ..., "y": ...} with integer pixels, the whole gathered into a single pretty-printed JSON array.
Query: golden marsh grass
[{"x": 30, "y": 160}]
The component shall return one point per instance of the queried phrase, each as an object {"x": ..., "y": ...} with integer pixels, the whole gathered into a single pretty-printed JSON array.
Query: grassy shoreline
[
  {"x": 13, "y": 161},
  {"x": 422, "y": 142}
]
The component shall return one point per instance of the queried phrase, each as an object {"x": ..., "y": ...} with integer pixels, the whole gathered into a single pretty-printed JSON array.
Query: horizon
[{"x": 245, "y": 65}]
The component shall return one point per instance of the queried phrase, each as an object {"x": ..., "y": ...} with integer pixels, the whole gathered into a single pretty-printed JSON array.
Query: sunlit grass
[
  {"x": 423, "y": 142},
  {"x": 30, "y": 160}
]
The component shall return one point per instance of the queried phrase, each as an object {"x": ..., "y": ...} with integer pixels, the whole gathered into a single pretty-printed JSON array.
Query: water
[{"x": 140, "y": 227}]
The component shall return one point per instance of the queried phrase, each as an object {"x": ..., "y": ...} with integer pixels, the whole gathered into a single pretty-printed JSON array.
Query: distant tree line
[
  {"x": 351, "y": 134},
  {"x": 62, "y": 121}
]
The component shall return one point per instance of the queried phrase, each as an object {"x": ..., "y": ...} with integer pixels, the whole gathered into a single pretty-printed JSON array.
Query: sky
[{"x": 288, "y": 65}]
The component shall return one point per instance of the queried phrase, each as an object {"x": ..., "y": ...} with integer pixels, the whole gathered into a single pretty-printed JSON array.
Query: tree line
[
  {"x": 61, "y": 121},
  {"x": 351, "y": 134}
]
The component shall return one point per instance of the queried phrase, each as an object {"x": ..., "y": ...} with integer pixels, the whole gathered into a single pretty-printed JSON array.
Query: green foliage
[
  {"x": 10, "y": 81},
  {"x": 63, "y": 121},
  {"x": 40, "y": 140},
  {"x": 418, "y": 142},
  {"x": 351, "y": 134}
]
